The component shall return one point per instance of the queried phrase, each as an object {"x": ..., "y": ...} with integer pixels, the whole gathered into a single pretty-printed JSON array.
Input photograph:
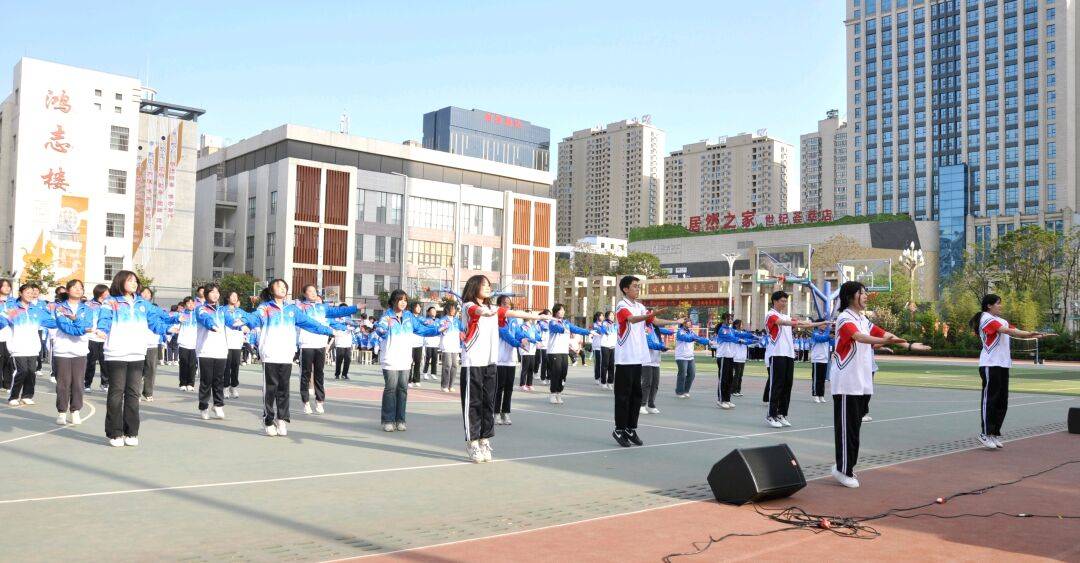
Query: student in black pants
[
  {"x": 7, "y": 365},
  {"x": 96, "y": 355},
  {"x": 431, "y": 350},
  {"x": 607, "y": 352},
  {"x": 417, "y": 349},
  {"x": 343, "y": 339}
]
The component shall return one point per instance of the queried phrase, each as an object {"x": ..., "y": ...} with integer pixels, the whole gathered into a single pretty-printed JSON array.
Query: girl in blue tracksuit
[
  {"x": 26, "y": 316},
  {"x": 527, "y": 352},
  {"x": 729, "y": 339},
  {"x": 399, "y": 331},
  {"x": 819, "y": 366},
  {"x": 597, "y": 336},
  {"x": 313, "y": 345},
  {"x": 277, "y": 323},
  {"x": 650, "y": 370},
  {"x": 739, "y": 359},
  {"x": 511, "y": 337},
  {"x": 187, "y": 338},
  {"x": 215, "y": 321},
  {"x": 685, "y": 339},
  {"x": 450, "y": 347},
  {"x": 124, "y": 318},
  {"x": 70, "y": 347},
  {"x": 558, "y": 349}
]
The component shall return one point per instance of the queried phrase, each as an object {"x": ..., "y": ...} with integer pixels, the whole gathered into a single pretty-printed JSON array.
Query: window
[
  {"x": 118, "y": 109},
  {"x": 114, "y": 225},
  {"x": 113, "y": 264},
  {"x": 119, "y": 97},
  {"x": 361, "y": 196},
  {"x": 359, "y": 248},
  {"x": 480, "y": 220},
  {"x": 269, "y": 274},
  {"x": 273, "y": 202},
  {"x": 380, "y": 285},
  {"x": 429, "y": 253},
  {"x": 118, "y": 138},
  {"x": 395, "y": 250},
  {"x": 271, "y": 242},
  {"x": 249, "y": 249},
  {"x": 97, "y": 93},
  {"x": 431, "y": 213},
  {"x": 380, "y": 248},
  {"x": 388, "y": 208},
  {"x": 117, "y": 181},
  {"x": 251, "y": 207}
]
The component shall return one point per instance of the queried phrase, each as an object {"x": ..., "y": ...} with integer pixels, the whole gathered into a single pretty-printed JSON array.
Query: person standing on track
[
  {"x": 343, "y": 346},
  {"x": 96, "y": 345},
  {"x": 7, "y": 365},
  {"x": 631, "y": 353},
  {"x": 431, "y": 349},
  {"x": 780, "y": 353},
  {"x": 313, "y": 346},
  {"x": 607, "y": 350},
  {"x": 558, "y": 350},
  {"x": 650, "y": 370},
  {"x": 399, "y": 330},
  {"x": 215, "y": 321},
  {"x": 450, "y": 347},
  {"x": 528, "y": 354},
  {"x": 995, "y": 359},
  {"x": 685, "y": 358},
  {"x": 725, "y": 361},
  {"x": 70, "y": 348},
  {"x": 738, "y": 360},
  {"x": 417, "y": 348},
  {"x": 187, "y": 339},
  {"x": 541, "y": 348},
  {"x": 153, "y": 339},
  {"x": 819, "y": 362},
  {"x": 511, "y": 337},
  {"x": 235, "y": 338},
  {"x": 26, "y": 316},
  {"x": 596, "y": 334}
]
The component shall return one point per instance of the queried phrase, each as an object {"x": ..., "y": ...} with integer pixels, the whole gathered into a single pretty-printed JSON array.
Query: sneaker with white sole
[
  {"x": 282, "y": 427},
  {"x": 850, "y": 482},
  {"x": 319, "y": 408},
  {"x": 643, "y": 410},
  {"x": 867, "y": 418},
  {"x": 654, "y": 410},
  {"x": 116, "y": 442},
  {"x": 271, "y": 430},
  {"x": 737, "y": 394},
  {"x": 219, "y": 413},
  {"x": 61, "y": 419},
  {"x": 499, "y": 419},
  {"x": 472, "y": 449},
  {"x": 400, "y": 427},
  {"x": 773, "y": 422},
  {"x": 307, "y": 408},
  {"x": 131, "y": 440},
  {"x": 76, "y": 418},
  {"x": 388, "y": 427},
  {"x": 997, "y": 441},
  {"x": 506, "y": 419},
  {"x": 560, "y": 398},
  {"x": 784, "y": 421},
  {"x": 28, "y": 401},
  {"x": 554, "y": 399},
  {"x": 86, "y": 390},
  {"x": 988, "y": 442},
  {"x": 149, "y": 399},
  {"x": 15, "y": 402},
  {"x": 485, "y": 449},
  {"x": 205, "y": 414}
]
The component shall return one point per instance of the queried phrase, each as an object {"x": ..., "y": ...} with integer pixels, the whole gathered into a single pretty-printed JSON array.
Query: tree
[
  {"x": 40, "y": 273},
  {"x": 242, "y": 284},
  {"x": 639, "y": 264},
  {"x": 563, "y": 269},
  {"x": 588, "y": 263},
  {"x": 1028, "y": 260},
  {"x": 1070, "y": 271},
  {"x": 144, "y": 279},
  {"x": 828, "y": 254}
]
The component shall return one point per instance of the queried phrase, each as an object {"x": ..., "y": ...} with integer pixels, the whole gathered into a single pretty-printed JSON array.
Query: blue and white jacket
[
  {"x": 277, "y": 330},
  {"x": 398, "y": 337},
  {"x": 684, "y": 343},
  {"x": 71, "y": 340},
  {"x": 214, "y": 327},
  {"x": 25, "y": 320},
  {"x": 558, "y": 340},
  {"x": 450, "y": 341},
  {"x": 532, "y": 334},
  {"x": 188, "y": 337},
  {"x": 652, "y": 338},
  {"x": 125, "y": 320},
  {"x": 510, "y": 336},
  {"x": 320, "y": 313}
]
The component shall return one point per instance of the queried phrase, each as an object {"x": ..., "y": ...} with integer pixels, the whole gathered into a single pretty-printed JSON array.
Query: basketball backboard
[{"x": 783, "y": 263}]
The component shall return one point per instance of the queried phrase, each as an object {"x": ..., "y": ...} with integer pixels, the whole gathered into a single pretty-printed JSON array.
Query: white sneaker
[
  {"x": 131, "y": 441},
  {"x": 271, "y": 430},
  {"x": 61, "y": 419},
  {"x": 116, "y": 442},
  {"x": 445, "y": 389},
  {"x": 506, "y": 419},
  {"x": 410, "y": 385},
  {"x": 598, "y": 383},
  {"x": 205, "y": 414},
  {"x": 499, "y": 419},
  {"x": 319, "y": 407},
  {"x": 282, "y": 427},
  {"x": 737, "y": 394},
  {"x": 86, "y": 390},
  {"x": 219, "y": 413},
  {"x": 400, "y": 427},
  {"x": 474, "y": 452},
  {"x": 235, "y": 393},
  {"x": 773, "y": 423},
  {"x": 307, "y": 408},
  {"x": 52, "y": 380},
  {"x": 27, "y": 401},
  {"x": 643, "y": 410},
  {"x": 76, "y": 418},
  {"x": 554, "y": 399},
  {"x": 867, "y": 418},
  {"x": 654, "y": 410},
  {"x": 485, "y": 449},
  {"x": 997, "y": 441},
  {"x": 15, "y": 402},
  {"x": 987, "y": 441},
  {"x": 559, "y": 396},
  {"x": 191, "y": 388},
  {"x": 784, "y": 421},
  {"x": 150, "y": 399},
  {"x": 610, "y": 386},
  {"x": 844, "y": 480},
  {"x": 388, "y": 427}
]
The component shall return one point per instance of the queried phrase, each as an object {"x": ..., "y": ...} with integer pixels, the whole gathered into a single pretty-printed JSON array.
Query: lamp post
[
  {"x": 731, "y": 257},
  {"x": 912, "y": 259}
]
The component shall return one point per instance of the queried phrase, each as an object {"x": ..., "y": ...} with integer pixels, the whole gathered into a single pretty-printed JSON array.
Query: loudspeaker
[
  {"x": 1074, "y": 420},
  {"x": 756, "y": 474}
]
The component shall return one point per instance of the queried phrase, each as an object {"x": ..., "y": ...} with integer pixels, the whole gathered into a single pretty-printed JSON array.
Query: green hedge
[{"x": 656, "y": 232}]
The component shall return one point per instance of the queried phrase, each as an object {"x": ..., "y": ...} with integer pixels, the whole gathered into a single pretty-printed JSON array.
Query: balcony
[
  {"x": 224, "y": 240},
  {"x": 224, "y": 195}
]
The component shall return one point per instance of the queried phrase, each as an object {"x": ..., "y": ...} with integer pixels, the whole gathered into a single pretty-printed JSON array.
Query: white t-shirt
[
  {"x": 852, "y": 369},
  {"x": 480, "y": 345},
  {"x": 779, "y": 342},
  {"x": 609, "y": 339},
  {"x": 631, "y": 348},
  {"x": 995, "y": 345}
]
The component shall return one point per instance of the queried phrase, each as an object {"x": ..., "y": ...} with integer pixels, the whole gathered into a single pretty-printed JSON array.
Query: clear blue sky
[{"x": 701, "y": 69}]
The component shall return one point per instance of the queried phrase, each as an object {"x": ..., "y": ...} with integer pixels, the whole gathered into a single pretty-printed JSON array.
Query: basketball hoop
[{"x": 781, "y": 279}]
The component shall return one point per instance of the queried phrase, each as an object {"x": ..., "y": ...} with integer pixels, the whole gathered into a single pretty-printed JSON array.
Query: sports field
[{"x": 338, "y": 486}]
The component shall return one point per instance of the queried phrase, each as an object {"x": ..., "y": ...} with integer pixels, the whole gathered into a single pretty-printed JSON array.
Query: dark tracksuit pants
[
  {"x": 726, "y": 367},
  {"x": 69, "y": 388},
  {"x": 276, "y": 392},
  {"x": 7, "y": 366},
  {"x": 848, "y": 411},
  {"x": 25, "y": 378},
  {"x": 607, "y": 375},
  {"x": 528, "y": 369},
  {"x": 211, "y": 382},
  {"x": 312, "y": 362},
  {"x": 995, "y": 398},
  {"x": 149, "y": 371},
  {"x": 504, "y": 388},
  {"x": 342, "y": 360},
  {"x": 125, "y": 385},
  {"x": 817, "y": 379},
  {"x": 781, "y": 374},
  {"x": 188, "y": 365},
  {"x": 627, "y": 396},
  {"x": 417, "y": 363},
  {"x": 557, "y": 366},
  {"x": 542, "y": 363},
  {"x": 478, "y": 401},
  {"x": 232, "y": 367},
  {"x": 737, "y": 384},
  {"x": 650, "y": 384},
  {"x": 431, "y": 360},
  {"x": 598, "y": 363},
  {"x": 95, "y": 358}
]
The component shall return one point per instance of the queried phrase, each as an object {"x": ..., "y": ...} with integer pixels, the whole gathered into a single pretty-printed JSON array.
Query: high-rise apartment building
[
  {"x": 965, "y": 112},
  {"x": 741, "y": 173},
  {"x": 823, "y": 166},
  {"x": 610, "y": 180},
  {"x": 487, "y": 135}
]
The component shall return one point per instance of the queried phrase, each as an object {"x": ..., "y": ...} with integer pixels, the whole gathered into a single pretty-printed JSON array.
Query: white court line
[
  {"x": 58, "y": 427},
  {"x": 609, "y": 421},
  {"x": 460, "y": 463},
  {"x": 609, "y": 516}
]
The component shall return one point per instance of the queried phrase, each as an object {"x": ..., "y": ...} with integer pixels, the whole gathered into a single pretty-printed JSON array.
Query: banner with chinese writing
[
  {"x": 729, "y": 221},
  {"x": 155, "y": 185}
]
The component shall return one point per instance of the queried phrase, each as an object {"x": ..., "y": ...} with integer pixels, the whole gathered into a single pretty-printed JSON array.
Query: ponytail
[{"x": 987, "y": 301}]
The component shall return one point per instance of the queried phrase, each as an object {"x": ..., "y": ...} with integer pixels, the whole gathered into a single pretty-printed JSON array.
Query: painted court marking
[
  {"x": 58, "y": 427},
  {"x": 462, "y": 463}
]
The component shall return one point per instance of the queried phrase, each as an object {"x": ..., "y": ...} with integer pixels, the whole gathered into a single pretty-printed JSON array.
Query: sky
[{"x": 700, "y": 69}]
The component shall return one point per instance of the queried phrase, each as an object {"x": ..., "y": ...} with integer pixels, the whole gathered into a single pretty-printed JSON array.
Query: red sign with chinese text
[{"x": 748, "y": 220}]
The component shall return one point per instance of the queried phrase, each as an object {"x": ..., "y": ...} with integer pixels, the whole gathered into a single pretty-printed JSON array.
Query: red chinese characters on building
[
  {"x": 55, "y": 180},
  {"x": 826, "y": 215},
  {"x": 59, "y": 102},
  {"x": 695, "y": 223},
  {"x": 729, "y": 221},
  {"x": 811, "y": 216},
  {"x": 796, "y": 217},
  {"x": 712, "y": 222},
  {"x": 748, "y": 219},
  {"x": 503, "y": 120},
  {"x": 783, "y": 219},
  {"x": 770, "y": 220},
  {"x": 56, "y": 140}
]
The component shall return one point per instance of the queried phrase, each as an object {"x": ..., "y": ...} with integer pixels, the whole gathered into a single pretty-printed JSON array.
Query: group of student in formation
[{"x": 209, "y": 336}]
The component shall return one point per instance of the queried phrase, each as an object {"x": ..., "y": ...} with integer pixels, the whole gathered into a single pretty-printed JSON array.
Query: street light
[
  {"x": 912, "y": 259},
  {"x": 731, "y": 257}
]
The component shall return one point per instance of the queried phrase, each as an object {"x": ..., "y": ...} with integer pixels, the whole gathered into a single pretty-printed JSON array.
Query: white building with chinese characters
[{"x": 96, "y": 176}]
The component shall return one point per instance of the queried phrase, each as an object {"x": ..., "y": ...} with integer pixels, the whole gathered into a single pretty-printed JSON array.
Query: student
[
  {"x": 431, "y": 348},
  {"x": 398, "y": 330},
  {"x": 70, "y": 348},
  {"x": 123, "y": 317},
  {"x": 780, "y": 352},
  {"x": 478, "y": 360},
  {"x": 7, "y": 365},
  {"x": 527, "y": 351},
  {"x": 725, "y": 339},
  {"x": 631, "y": 353},
  {"x": 172, "y": 348},
  {"x": 450, "y": 347},
  {"x": 541, "y": 348},
  {"x": 235, "y": 338},
  {"x": 417, "y": 349},
  {"x": 850, "y": 375},
  {"x": 343, "y": 345},
  {"x": 215, "y": 322},
  {"x": 763, "y": 343},
  {"x": 819, "y": 366},
  {"x": 558, "y": 348},
  {"x": 738, "y": 361},
  {"x": 511, "y": 337},
  {"x": 607, "y": 350},
  {"x": 313, "y": 345},
  {"x": 96, "y": 356},
  {"x": 187, "y": 340},
  {"x": 26, "y": 317},
  {"x": 995, "y": 359},
  {"x": 276, "y": 322},
  {"x": 595, "y": 336},
  {"x": 650, "y": 370},
  {"x": 685, "y": 339},
  {"x": 150, "y": 363}
]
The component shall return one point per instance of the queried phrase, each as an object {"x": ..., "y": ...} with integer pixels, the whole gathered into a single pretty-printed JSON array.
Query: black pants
[
  {"x": 847, "y": 421},
  {"x": 7, "y": 366},
  {"x": 417, "y": 363},
  {"x": 22, "y": 386},
  {"x": 995, "y": 398},
  {"x": 342, "y": 360},
  {"x": 557, "y": 366},
  {"x": 149, "y": 371},
  {"x": 431, "y": 360},
  {"x": 781, "y": 374},
  {"x": 528, "y": 368},
  {"x": 817, "y": 379},
  {"x": 312, "y": 362},
  {"x": 478, "y": 401},
  {"x": 726, "y": 373},
  {"x": 188, "y": 365},
  {"x": 69, "y": 389},
  {"x": 276, "y": 392},
  {"x": 95, "y": 357},
  {"x": 627, "y": 396},
  {"x": 211, "y": 382},
  {"x": 542, "y": 363},
  {"x": 737, "y": 386},
  {"x": 768, "y": 382},
  {"x": 232, "y": 368},
  {"x": 125, "y": 384},
  {"x": 607, "y": 374},
  {"x": 597, "y": 364},
  {"x": 504, "y": 388}
]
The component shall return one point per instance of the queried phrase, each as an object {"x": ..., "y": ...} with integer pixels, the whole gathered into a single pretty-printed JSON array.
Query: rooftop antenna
[{"x": 343, "y": 123}]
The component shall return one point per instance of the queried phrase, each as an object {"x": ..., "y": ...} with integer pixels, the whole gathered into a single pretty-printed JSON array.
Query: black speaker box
[
  {"x": 756, "y": 474},
  {"x": 1074, "y": 420}
]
